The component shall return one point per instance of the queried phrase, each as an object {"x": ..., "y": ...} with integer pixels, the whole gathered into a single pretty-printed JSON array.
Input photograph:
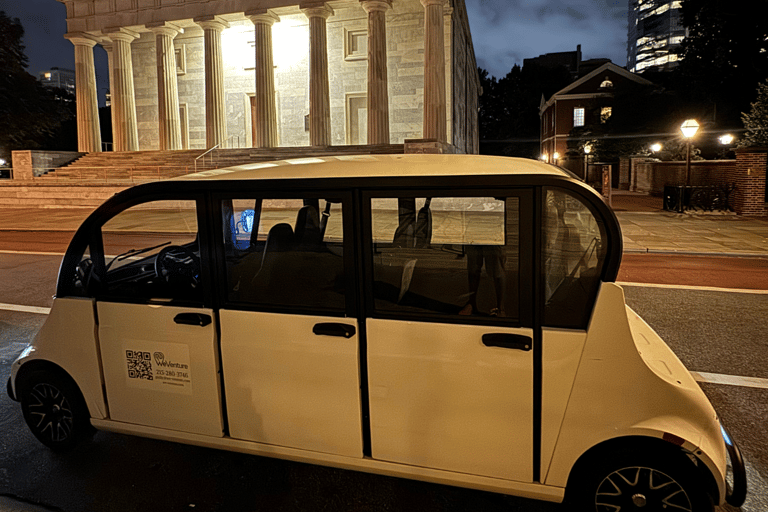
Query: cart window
[
  {"x": 456, "y": 256},
  {"x": 284, "y": 252},
  {"x": 151, "y": 251},
  {"x": 574, "y": 253}
]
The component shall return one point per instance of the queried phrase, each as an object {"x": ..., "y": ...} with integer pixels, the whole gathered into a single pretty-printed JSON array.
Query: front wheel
[
  {"x": 54, "y": 409},
  {"x": 641, "y": 482}
]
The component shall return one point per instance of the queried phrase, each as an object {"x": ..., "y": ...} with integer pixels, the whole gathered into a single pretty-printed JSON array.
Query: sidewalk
[
  {"x": 8, "y": 504},
  {"x": 645, "y": 226}
]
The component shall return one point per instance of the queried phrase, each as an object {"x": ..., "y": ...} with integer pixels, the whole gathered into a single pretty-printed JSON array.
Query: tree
[
  {"x": 30, "y": 113},
  {"x": 756, "y": 121},
  {"x": 509, "y": 108},
  {"x": 723, "y": 57}
]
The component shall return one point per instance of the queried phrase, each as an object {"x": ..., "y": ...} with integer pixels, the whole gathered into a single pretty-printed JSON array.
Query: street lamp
[
  {"x": 587, "y": 151},
  {"x": 726, "y": 139},
  {"x": 555, "y": 156},
  {"x": 656, "y": 147},
  {"x": 689, "y": 129}
]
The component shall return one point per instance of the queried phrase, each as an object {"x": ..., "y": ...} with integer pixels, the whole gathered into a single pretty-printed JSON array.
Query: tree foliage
[
  {"x": 509, "y": 108},
  {"x": 31, "y": 114},
  {"x": 756, "y": 120},
  {"x": 724, "y": 56}
]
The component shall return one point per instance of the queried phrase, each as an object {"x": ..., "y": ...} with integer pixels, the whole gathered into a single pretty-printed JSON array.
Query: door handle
[
  {"x": 192, "y": 319},
  {"x": 506, "y": 340},
  {"x": 334, "y": 329}
]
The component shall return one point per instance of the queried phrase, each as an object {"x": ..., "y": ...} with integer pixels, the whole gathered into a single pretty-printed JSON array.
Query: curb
[{"x": 672, "y": 252}]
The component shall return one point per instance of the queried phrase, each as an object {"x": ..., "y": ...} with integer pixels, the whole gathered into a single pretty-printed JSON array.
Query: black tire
[
  {"x": 54, "y": 409},
  {"x": 647, "y": 482}
]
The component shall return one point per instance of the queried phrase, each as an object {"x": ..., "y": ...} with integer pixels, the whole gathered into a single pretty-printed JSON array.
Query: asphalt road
[{"x": 711, "y": 331}]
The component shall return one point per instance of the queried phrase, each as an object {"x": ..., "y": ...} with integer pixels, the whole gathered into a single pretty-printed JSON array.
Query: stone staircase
[{"x": 94, "y": 177}]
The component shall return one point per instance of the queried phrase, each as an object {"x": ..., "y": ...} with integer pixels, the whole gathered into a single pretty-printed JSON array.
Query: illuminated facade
[
  {"x": 277, "y": 73},
  {"x": 655, "y": 32}
]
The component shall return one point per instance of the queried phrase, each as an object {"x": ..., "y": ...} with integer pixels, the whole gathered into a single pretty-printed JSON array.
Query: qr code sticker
[{"x": 139, "y": 364}]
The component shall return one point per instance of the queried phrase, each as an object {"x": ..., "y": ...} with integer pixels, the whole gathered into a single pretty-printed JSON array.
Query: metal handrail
[{"x": 206, "y": 152}]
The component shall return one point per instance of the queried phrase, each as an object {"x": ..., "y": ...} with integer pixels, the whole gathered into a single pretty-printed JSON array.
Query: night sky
[{"x": 504, "y": 32}]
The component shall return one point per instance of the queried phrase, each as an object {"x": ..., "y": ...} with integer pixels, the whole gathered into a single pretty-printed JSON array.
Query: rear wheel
[
  {"x": 641, "y": 482},
  {"x": 54, "y": 409}
]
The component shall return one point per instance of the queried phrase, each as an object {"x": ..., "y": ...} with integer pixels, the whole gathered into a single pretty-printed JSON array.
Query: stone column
[
  {"x": 378, "y": 98},
  {"x": 88, "y": 129},
  {"x": 215, "y": 104},
  {"x": 265, "y": 118},
  {"x": 125, "y": 133},
  {"x": 434, "y": 71},
  {"x": 319, "y": 90},
  {"x": 167, "y": 88}
]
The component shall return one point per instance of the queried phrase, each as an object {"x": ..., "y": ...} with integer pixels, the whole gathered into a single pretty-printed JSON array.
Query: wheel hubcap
[
  {"x": 637, "y": 488},
  {"x": 50, "y": 412}
]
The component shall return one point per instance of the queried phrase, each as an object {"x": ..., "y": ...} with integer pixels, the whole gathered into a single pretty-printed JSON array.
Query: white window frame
[{"x": 578, "y": 117}]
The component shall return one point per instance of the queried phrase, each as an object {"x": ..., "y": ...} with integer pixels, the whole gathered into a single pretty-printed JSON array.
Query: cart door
[
  {"x": 289, "y": 348},
  {"x": 449, "y": 336},
  {"x": 157, "y": 338}
]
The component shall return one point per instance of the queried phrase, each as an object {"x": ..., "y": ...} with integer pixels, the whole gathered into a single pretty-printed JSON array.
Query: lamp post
[
  {"x": 587, "y": 151},
  {"x": 689, "y": 129},
  {"x": 555, "y": 156},
  {"x": 656, "y": 147}
]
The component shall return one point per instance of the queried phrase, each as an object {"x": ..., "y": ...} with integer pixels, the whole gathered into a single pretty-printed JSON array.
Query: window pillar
[
  {"x": 88, "y": 130},
  {"x": 167, "y": 87},
  {"x": 378, "y": 98},
  {"x": 319, "y": 91},
  {"x": 434, "y": 71},
  {"x": 265, "y": 109},
  {"x": 125, "y": 134}
]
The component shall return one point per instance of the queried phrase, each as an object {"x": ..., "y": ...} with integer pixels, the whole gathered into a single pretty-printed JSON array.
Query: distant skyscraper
[
  {"x": 59, "y": 77},
  {"x": 655, "y": 31}
]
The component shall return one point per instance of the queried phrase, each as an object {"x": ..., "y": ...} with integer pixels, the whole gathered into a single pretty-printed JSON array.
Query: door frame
[{"x": 529, "y": 293}]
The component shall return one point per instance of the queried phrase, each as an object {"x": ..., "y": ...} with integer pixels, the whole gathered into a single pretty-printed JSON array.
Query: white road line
[
  {"x": 32, "y": 253},
  {"x": 698, "y": 288},
  {"x": 730, "y": 380},
  {"x": 25, "y": 309}
]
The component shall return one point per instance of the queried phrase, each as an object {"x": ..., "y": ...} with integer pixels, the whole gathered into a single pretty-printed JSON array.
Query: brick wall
[
  {"x": 652, "y": 177},
  {"x": 749, "y": 175}
]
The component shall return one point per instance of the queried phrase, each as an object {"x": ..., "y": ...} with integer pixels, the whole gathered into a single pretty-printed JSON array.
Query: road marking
[
  {"x": 730, "y": 380},
  {"x": 695, "y": 288},
  {"x": 25, "y": 309},
  {"x": 32, "y": 253}
]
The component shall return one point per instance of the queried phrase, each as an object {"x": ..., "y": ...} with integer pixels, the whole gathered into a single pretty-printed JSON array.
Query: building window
[
  {"x": 181, "y": 59},
  {"x": 578, "y": 117},
  {"x": 606, "y": 84},
  {"x": 355, "y": 44},
  {"x": 357, "y": 118},
  {"x": 605, "y": 114}
]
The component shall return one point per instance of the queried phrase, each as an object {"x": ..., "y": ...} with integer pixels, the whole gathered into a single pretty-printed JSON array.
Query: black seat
[
  {"x": 307, "y": 233},
  {"x": 280, "y": 239}
]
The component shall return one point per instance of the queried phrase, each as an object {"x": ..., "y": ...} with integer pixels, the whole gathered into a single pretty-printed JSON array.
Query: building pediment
[{"x": 600, "y": 82}]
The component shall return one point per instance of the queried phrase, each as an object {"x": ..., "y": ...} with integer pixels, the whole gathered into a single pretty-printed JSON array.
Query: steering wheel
[{"x": 177, "y": 265}]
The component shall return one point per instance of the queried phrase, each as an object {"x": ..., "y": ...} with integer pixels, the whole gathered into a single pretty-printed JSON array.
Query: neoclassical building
[{"x": 188, "y": 74}]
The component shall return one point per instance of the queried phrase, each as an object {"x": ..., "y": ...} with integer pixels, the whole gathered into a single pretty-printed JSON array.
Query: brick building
[{"x": 586, "y": 102}]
